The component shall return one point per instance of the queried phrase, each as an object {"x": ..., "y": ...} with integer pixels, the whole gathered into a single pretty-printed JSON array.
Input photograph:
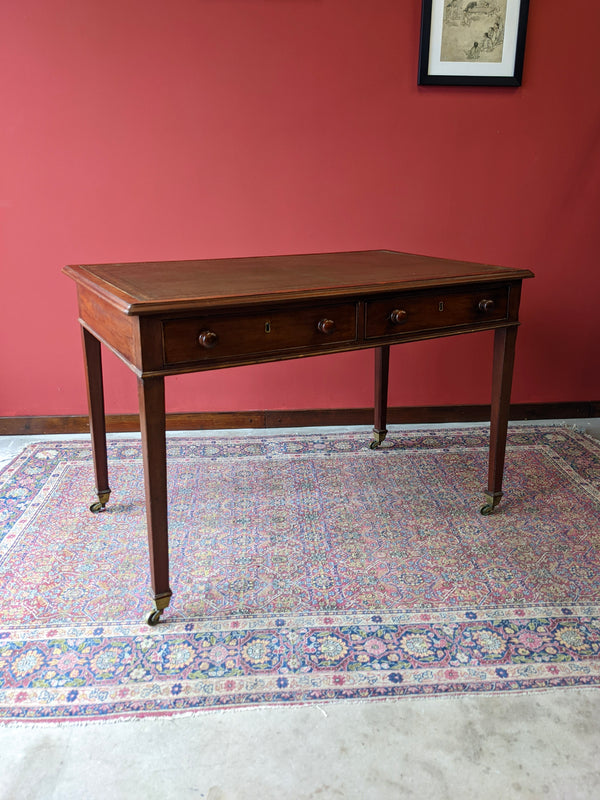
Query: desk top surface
[{"x": 157, "y": 286}]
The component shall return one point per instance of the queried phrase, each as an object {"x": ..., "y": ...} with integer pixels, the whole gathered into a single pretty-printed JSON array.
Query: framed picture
[{"x": 472, "y": 42}]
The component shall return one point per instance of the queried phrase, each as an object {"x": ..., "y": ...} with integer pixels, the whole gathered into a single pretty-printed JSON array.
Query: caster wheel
[
  {"x": 153, "y": 617},
  {"x": 374, "y": 445},
  {"x": 487, "y": 509},
  {"x": 97, "y": 507}
]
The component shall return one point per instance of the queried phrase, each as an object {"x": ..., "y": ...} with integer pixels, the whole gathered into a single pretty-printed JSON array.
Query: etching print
[{"x": 473, "y": 31}]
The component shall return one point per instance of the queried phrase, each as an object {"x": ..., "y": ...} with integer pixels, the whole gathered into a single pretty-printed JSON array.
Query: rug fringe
[{"x": 172, "y": 716}]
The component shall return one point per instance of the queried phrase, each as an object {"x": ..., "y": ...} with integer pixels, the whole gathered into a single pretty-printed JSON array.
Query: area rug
[{"x": 305, "y": 569}]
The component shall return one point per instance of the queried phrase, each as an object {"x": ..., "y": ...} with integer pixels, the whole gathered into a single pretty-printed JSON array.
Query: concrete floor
[{"x": 537, "y": 745}]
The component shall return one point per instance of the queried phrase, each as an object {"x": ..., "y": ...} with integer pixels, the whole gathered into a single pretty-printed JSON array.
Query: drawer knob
[
  {"x": 486, "y": 305},
  {"x": 398, "y": 316},
  {"x": 326, "y": 326},
  {"x": 208, "y": 339}
]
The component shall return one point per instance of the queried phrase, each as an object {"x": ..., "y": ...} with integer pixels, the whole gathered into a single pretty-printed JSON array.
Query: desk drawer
[
  {"x": 217, "y": 337},
  {"x": 414, "y": 312}
]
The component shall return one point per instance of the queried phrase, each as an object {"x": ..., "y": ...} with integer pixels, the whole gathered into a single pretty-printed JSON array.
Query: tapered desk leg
[
  {"x": 382, "y": 368},
  {"x": 151, "y": 393},
  {"x": 504, "y": 359},
  {"x": 93, "y": 371}
]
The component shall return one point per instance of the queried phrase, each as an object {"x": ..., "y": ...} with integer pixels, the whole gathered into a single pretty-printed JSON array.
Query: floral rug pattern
[{"x": 305, "y": 568}]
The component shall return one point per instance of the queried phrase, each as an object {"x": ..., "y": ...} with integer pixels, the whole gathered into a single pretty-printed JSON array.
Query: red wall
[{"x": 145, "y": 129}]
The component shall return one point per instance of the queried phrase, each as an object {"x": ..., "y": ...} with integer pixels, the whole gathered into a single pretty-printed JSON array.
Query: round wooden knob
[
  {"x": 486, "y": 305},
  {"x": 398, "y": 316},
  {"x": 208, "y": 339},
  {"x": 326, "y": 326}
]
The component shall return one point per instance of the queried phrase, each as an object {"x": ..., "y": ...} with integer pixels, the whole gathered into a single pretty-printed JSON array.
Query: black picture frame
[{"x": 446, "y": 55}]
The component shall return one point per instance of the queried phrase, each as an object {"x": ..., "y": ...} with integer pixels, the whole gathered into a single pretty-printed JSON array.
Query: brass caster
[
  {"x": 493, "y": 498},
  {"x": 161, "y": 601},
  {"x": 378, "y": 437},
  {"x": 100, "y": 504},
  {"x": 153, "y": 617}
]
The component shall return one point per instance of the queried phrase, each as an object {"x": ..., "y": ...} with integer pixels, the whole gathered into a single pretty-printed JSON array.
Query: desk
[{"x": 169, "y": 318}]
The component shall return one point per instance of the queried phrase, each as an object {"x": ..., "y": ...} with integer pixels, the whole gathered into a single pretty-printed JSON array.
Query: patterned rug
[{"x": 305, "y": 568}]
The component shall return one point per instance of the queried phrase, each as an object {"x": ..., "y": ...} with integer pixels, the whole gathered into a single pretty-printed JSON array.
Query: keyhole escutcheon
[
  {"x": 441, "y": 305},
  {"x": 267, "y": 327}
]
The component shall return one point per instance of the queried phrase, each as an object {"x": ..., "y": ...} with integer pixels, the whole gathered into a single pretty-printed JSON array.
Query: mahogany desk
[{"x": 168, "y": 318}]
